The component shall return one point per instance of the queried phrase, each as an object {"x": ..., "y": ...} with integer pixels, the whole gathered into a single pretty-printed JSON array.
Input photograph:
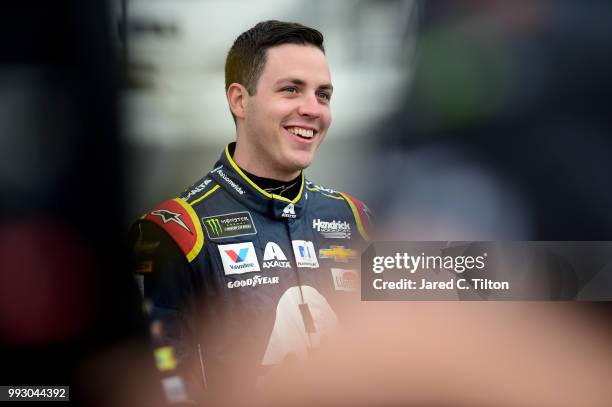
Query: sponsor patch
[
  {"x": 229, "y": 225},
  {"x": 230, "y": 182},
  {"x": 196, "y": 189},
  {"x": 338, "y": 253},
  {"x": 239, "y": 258},
  {"x": 274, "y": 257},
  {"x": 145, "y": 266},
  {"x": 164, "y": 358},
  {"x": 169, "y": 216},
  {"x": 178, "y": 219},
  {"x": 334, "y": 229},
  {"x": 253, "y": 282},
  {"x": 174, "y": 389},
  {"x": 344, "y": 280},
  {"x": 289, "y": 211},
  {"x": 305, "y": 254}
]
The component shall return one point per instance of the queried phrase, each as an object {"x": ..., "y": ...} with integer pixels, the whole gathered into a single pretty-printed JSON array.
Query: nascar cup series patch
[
  {"x": 229, "y": 225},
  {"x": 239, "y": 258}
]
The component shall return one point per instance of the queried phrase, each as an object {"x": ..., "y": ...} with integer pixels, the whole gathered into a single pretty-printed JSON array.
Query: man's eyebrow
[{"x": 299, "y": 82}]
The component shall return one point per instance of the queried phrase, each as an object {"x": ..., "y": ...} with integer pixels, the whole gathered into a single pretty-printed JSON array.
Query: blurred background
[{"x": 453, "y": 120}]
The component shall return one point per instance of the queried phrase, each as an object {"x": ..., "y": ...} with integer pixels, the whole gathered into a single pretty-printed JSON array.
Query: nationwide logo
[
  {"x": 231, "y": 183},
  {"x": 169, "y": 216},
  {"x": 239, "y": 258},
  {"x": 289, "y": 211},
  {"x": 338, "y": 253},
  {"x": 344, "y": 280},
  {"x": 229, "y": 225},
  {"x": 274, "y": 257},
  {"x": 332, "y": 230},
  {"x": 195, "y": 190},
  {"x": 305, "y": 254}
]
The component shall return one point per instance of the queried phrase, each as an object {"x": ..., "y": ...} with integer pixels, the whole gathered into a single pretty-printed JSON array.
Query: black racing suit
[{"x": 239, "y": 280}]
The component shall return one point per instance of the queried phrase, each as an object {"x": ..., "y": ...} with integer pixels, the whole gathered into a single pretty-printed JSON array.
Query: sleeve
[
  {"x": 168, "y": 288},
  {"x": 362, "y": 215}
]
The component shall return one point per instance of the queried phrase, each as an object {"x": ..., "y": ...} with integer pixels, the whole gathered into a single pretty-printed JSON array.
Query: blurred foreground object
[{"x": 64, "y": 293}]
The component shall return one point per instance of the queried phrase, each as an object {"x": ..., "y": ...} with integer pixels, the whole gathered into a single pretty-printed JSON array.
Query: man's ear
[{"x": 237, "y": 97}]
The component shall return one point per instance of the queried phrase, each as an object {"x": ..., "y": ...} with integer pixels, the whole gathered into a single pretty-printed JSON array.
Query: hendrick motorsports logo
[
  {"x": 332, "y": 230},
  {"x": 229, "y": 225}
]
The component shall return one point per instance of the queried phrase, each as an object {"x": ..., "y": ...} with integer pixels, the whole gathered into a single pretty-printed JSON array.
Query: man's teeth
[{"x": 308, "y": 133}]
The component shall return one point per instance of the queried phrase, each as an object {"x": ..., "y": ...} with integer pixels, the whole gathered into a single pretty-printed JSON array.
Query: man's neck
[{"x": 255, "y": 166}]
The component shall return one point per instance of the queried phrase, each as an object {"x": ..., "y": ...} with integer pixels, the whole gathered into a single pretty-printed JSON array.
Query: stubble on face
[{"x": 288, "y": 116}]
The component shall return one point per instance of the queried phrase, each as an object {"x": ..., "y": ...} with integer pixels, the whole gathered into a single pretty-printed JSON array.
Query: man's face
[{"x": 288, "y": 116}]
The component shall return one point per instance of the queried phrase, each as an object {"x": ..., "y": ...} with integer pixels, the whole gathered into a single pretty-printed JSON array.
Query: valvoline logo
[{"x": 239, "y": 258}]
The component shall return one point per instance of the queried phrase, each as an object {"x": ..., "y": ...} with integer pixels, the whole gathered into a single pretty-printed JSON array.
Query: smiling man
[{"x": 251, "y": 266}]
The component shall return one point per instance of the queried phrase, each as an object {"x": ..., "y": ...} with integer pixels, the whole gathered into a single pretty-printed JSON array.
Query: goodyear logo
[{"x": 229, "y": 225}]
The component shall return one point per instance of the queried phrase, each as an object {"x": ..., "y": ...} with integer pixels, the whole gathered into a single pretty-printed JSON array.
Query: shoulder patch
[
  {"x": 177, "y": 218},
  {"x": 361, "y": 214}
]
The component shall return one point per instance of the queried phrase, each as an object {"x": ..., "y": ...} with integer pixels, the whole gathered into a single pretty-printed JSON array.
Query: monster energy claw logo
[
  {"x": 214, "y": 226},
  {"x": 229, "y": 225}
]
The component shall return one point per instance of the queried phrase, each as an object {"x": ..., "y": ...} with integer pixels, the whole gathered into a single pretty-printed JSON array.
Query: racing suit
[{"x": 239, "y": 280}]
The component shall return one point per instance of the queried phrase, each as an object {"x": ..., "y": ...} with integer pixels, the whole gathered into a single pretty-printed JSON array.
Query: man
[{"x": 249, "y": 268}]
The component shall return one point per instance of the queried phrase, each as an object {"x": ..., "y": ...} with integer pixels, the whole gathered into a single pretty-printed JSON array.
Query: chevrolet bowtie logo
[{"x": 338, "y": 253}]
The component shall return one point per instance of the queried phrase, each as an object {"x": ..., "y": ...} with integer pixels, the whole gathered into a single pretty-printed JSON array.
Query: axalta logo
[
  {"x": 332, "y": 230},
  {"x": 197, "y": 189},
  {"x": 239, "y": 258},
  {"x": 231, "y": 183},
  {"x": 253, "y": 282},
  {"x": 169, "y": 216},
  {"x": 274, "y": 257},
  {"x": 305, "y": 254},
  {"x": 289, "y": 211},
  {"x": 344, "y": 280}
]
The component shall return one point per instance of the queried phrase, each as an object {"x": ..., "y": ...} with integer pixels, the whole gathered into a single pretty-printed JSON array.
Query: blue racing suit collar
[{"x": 231, "y": 178}]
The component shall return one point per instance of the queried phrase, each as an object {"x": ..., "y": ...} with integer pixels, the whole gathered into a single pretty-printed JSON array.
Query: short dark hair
[{"x": 247, "y": 57}]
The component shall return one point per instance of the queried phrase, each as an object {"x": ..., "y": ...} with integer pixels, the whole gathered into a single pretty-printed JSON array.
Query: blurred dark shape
[
  {"x": 47, "y": 289},
  {"x": 505, "y": 131},
  {"x": 66, "y": 291}
]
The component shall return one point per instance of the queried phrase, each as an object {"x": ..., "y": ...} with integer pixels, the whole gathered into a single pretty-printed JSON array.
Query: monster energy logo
[
  {"x": 229, "y": 225},
  {"x": 214, "y": 226}
]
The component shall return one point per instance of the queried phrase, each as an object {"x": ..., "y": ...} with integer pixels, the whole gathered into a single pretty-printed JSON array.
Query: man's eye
[
  {"x": 290, "y": 89},
  {"x": 325, "y": 96}
]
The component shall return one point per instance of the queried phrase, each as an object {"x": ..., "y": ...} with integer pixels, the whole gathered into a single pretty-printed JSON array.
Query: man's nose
[{"x": 310, "y": 106}]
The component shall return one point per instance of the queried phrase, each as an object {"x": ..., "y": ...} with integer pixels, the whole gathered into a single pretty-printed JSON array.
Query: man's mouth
[{"x": 302, "y": 132}]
